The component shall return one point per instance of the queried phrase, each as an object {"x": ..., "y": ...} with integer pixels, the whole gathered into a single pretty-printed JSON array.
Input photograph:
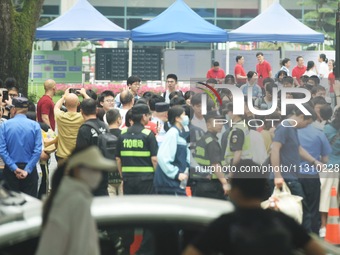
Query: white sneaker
[{"x": 322, "y": 232}]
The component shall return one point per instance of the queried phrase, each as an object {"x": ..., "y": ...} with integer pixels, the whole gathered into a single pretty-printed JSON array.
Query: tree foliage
[
  {"x": 18, "y": 20},
  {"x": 321, "y": 17}
]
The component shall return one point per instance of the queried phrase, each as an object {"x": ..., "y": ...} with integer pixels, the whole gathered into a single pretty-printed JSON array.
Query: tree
[
  {"x": 322, "y": 17},
  {"x": 18, "y": 22}
]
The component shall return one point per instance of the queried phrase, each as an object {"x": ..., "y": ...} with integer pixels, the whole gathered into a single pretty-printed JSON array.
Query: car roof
[
  {"x": 152, "y": 208},
  {"x": 27, "y": 221}
]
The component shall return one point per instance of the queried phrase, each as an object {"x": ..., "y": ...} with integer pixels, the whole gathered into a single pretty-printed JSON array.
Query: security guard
[
  {"x": 137, "y": 160},
  {"x": 210, "y": 181},
  {"x": 238, "y": 140},
  {"x": 137, "y": 153}
]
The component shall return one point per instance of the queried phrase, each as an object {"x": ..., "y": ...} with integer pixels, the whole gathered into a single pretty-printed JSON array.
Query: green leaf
[
  {"x": 311, "y": 15},
  {"x": 326, "y": 10}
]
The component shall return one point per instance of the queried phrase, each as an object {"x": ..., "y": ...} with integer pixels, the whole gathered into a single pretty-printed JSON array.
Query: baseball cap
[
  {"x": 140, "y": 109},
  {"x": 91, "y": 158},
  {"x": 20, "y": 102}
]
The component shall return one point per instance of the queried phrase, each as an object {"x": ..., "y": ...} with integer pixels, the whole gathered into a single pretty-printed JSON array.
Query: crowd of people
[{"x": 162, "y": 143}]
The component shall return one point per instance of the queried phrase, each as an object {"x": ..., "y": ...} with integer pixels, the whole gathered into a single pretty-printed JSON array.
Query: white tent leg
[
  {"x": 130, "y": 58},
  {"x": 227, "y": 58}
]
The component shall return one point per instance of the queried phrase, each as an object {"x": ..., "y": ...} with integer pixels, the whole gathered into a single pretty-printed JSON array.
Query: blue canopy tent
[
  {"x": 178, "y": 23},
  {"x": 275, "y": 25},
  {"x": 81, "y": 22}
]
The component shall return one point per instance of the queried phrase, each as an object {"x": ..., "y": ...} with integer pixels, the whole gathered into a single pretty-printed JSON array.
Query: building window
[
  {"x": 144, "y": 12},
  {"x": 50, "y": 10},
  {"x": 110, "y": 11},
  {"x": 204, "y": 12}
]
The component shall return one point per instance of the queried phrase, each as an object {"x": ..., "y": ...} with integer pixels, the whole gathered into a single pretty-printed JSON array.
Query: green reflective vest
[
  {"x": 201, "y": 156},
  {"x": 246, "y": 148},
  {"x": 134, "y": 152}
]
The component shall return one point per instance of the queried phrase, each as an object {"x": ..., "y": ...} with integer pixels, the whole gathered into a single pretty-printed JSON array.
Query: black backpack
[{"x": 107, "y": 142}]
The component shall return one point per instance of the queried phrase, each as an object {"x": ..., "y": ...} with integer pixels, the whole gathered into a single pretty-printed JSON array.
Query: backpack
[{"x": 107, "y": 142}]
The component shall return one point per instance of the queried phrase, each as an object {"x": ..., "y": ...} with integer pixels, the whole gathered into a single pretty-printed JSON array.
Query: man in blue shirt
[
  {"x": 287, "y": 152},
  {"x": 20, "y": 148},
  {"x": 316, "y": 144},
  {"x": 252, "y": 83}
]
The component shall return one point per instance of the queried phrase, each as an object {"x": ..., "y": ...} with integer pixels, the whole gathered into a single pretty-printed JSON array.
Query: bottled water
[{"x": 183, "y": 183}]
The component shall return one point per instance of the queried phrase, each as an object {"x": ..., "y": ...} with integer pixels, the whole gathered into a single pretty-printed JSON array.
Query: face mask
[
  {"x": 90, "y": 177},
  {"x": 185, "y": 121}
]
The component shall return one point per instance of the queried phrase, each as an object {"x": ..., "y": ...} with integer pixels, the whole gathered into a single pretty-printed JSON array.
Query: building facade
[{"x": 128, "y": 14}]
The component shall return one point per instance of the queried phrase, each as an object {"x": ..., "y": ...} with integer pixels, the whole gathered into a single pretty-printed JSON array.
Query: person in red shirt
[
  {"x": 240, "y": 73},
  {"x": 45, "y": 107},
  {"x": 331, "y": 81},
  {"x": 216, "y": 72},
  {"x": 298, "y": 71},
  {"x": 263, "y": 69}
]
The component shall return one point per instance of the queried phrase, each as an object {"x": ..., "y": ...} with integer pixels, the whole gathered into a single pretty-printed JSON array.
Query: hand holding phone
[{"x": 4, "y": 96}]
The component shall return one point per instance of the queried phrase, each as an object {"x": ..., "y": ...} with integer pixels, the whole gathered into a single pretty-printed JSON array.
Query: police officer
[
  {"x": 208, "y": 156},
  {"x": 137, "y": 153},
  {"x": 238, "y": 140},
  {"x": 136, "y": 156}
]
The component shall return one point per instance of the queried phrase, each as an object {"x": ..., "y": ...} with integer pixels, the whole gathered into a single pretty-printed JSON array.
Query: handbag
[
  {"x": 50, "y": 140},
  {"x": 283, "y": 201}
]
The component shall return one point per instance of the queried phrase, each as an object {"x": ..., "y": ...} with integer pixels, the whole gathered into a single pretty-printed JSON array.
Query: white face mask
[{"x": 91, "y": 177}]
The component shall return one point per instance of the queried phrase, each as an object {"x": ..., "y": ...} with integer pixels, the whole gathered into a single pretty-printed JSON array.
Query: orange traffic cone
[
  {"x": 188, "y": 191},
  {"x": 333, "y": 224},
  {"x": 135, "y": 246}
]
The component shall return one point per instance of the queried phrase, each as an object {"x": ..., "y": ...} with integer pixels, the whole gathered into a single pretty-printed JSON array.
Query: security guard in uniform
[
  {"x": 137, "y": 154},
  {"x": 209, "y": 180},
  {"x": 238, "y": 139}
]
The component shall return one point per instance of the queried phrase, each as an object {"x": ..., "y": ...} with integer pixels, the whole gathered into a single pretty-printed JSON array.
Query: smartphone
[
  {"x": 74, "y": 91},
  {"x": 4, "y": 95}
]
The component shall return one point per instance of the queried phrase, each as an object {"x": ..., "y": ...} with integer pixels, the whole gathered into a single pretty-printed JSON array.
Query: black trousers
[
  {"x": 138, "y": 185},
  {"x": 43, "y": 189},
  {"x": 208, "y": 189},
  {"x": 29, "y": 185},
  {"x": 311, "y": 188}
]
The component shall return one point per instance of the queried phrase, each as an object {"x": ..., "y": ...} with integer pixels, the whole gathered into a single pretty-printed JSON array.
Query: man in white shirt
[{"x": 198, "y": 119}]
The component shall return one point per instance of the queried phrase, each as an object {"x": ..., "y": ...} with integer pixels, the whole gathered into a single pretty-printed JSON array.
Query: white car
[
  {"x": 171, "y": 222},
  {"x": 168, "y": 223}
]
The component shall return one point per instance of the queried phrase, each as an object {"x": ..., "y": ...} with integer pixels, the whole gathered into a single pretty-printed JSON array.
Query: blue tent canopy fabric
[
  {"x": 82, "y": 22},
  {"x": 275, "y": 25},
  {"x": 178, "y": 23}
]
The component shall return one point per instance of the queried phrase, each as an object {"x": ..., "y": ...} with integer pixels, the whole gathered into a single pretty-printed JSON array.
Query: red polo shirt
[
  {"x": 220, "y": 74},
  {"x": 46, "y": 106},
  {"x": 262, "y": 70},
  {"x": 298, "y": 72},
  {"x": 239, "y": 70}
]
